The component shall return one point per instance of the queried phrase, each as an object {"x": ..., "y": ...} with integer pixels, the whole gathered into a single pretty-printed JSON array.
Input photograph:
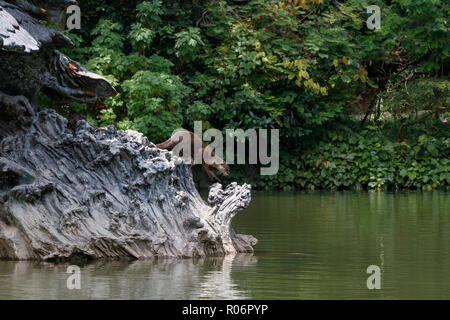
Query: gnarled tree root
[{"x": 102, "y": 193}]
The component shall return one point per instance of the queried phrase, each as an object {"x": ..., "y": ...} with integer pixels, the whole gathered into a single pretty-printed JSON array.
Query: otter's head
[
  {"x": 210, "y": 158},
  {"x": 223, "y": 168}
]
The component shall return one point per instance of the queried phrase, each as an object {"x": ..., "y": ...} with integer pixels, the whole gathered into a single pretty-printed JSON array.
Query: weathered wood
[
  {"x": 102, "y": 193},
  {"x": 79, "y": 191}
]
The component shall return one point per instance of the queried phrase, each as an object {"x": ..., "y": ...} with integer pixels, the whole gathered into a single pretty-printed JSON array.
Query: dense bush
[
  {"x": 305, "y": 67},
  {"x": 366, "y": 160}
]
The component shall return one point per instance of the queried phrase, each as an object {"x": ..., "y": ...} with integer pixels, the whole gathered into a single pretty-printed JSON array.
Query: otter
[{"x": 202, "y": 151}]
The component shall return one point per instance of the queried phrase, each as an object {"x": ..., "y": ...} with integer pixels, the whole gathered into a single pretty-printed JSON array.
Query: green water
[{"x": 311, "y": 246}]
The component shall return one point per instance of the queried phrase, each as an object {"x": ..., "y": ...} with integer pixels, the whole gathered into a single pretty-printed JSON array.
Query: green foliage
[
  {"x": 154, "y": 100},
  {"x": 420, "y": 95},
  {"x": 108, "y": 35},
  {"x": 366, "y": 160},
  {"x": 301, "y": 66},
  {"x": 149, "y": 12},
  {"x": 188, "y": 43}
]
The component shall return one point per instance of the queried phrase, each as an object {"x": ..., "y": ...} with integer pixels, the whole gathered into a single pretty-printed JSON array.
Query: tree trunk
[{"x": 101, "y": 193}]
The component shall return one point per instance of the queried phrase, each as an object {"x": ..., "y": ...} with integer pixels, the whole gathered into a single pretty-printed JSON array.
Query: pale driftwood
[{"x": 102, "y": 193}]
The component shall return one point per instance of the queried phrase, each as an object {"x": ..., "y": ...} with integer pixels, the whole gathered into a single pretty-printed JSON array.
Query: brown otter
[{"x": 212, "y": 160}]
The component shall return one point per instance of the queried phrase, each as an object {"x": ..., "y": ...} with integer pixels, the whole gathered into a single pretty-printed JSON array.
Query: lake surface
[{"x": 311, "y": 246}]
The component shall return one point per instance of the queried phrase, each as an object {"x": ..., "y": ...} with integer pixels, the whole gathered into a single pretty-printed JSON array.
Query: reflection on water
[
  {"x": 163, "y": 279},
  {"x": 311, "y": 246}
]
